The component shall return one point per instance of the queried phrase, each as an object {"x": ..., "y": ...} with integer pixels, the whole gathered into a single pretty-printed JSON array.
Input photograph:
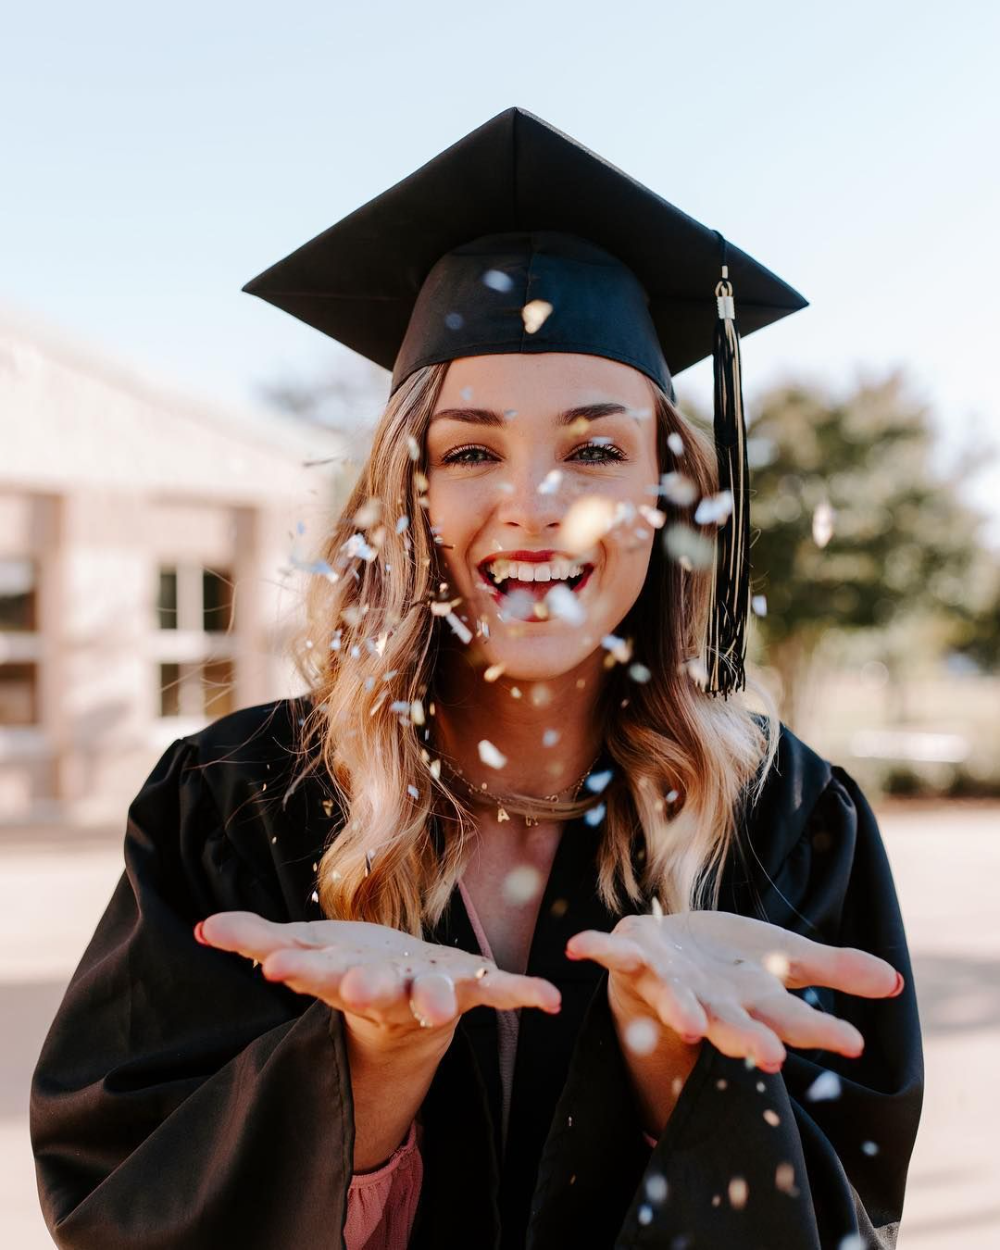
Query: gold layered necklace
[{"x": 505, "y": 801}]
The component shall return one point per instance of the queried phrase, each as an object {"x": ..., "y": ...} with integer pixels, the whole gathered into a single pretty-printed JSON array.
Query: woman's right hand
[{"x": 384, "y": 981}]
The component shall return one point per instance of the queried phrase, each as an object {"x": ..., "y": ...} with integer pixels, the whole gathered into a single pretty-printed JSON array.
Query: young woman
[{"x": 517, "y": 936}]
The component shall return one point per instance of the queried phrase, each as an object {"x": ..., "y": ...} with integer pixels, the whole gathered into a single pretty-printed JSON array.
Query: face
[{"x": 509, "y": 460}]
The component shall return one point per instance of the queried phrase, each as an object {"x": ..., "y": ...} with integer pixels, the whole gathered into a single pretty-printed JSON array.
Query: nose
[{"x": 532, "y": 498}]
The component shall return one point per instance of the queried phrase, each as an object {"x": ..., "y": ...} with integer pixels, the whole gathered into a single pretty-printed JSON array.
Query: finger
[
  {"x": 733, "y": 1031},
  {"x": 617, "y": 953},
  {"x": 798, "y": 1024},
  {"x": 506, "y": 991},
  {"x": 675, "y": 1004},
  {"x": 433, "y": 997},
  {"x": 246, "y": 933},
  {"x": 842, "y": 968},
  {"x": 308, "y": 972},
  {"x": 372, "y": 988}
]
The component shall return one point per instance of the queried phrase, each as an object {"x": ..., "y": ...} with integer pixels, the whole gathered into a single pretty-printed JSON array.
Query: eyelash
[{"x": 614, "y": 452}]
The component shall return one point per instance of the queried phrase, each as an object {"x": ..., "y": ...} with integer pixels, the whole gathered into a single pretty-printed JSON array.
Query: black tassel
[{"x": 727, "y": 626}]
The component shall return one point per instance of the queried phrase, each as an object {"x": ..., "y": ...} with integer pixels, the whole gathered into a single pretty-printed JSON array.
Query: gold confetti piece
[
  {"x": 641, "y": 1035},
  {"x": 515, "y": 692},
  {"x": 822, "y": 523},
  {"x": 722, "y": 1083},
  {"x": 776, "y": 963},
  {"x": 521, "y": 885},
  {"x": 653, "y": 516},
  {"x": 587, "y": 519},
  {"x": 417, "y": 712},
  {"x": 535, "y": 314},
  {"x": 698, "y": 673},
  {"x": 579, "y": 425},
  {"x": 370, "y": 513},
  {"x": 784, "y": 1179},
  {"x": 489, "y": 754},
  {"x": 716, "y": 1200},
  {"x": 435, "y": 769},
  {"x": 493, "y": 672},
  {"x": 420, "y": 480},
  {"x": 772, "y": 1118},
  {"x": 738, "y": 1191},
  {"x": 328, "y": 806}
]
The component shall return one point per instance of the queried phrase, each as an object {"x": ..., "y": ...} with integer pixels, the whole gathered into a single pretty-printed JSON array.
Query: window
[
  {"x": 216, "y": 601},
  {"x": 197, "y": 689},
  {"x": 167, "y": 603},
  {"x": 195, "y": 598},
  {"x": 18, "y": 595},
  {"x": 18, "y": 694}
]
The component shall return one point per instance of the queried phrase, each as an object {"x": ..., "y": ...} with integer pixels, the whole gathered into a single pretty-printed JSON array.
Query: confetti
[
  {"x": 641, "y": 1035},
  {"x": 461, "y": 629},
  {"x": 522, "y": 884},
  {"x": 550, "y": 484},
  {"x": 413, "y": 447},
  {"x": 370, "y": 513},
  {"x": 550, "y": 737},
  {"x": 596, "y": 782},
  {"x": 698, "y": 673},
  {"x": 510, "y": 413},
  {"x": 645, "y": 1214},
  {"x": 822, "y": 523},
  {"x": 784, "y": 1179},
  {"x": 535, "y": 314},
  {"x": 675, "y": 443},
  {"x": 714, "y": 508},
  {"x": 825, "y": 1087},
  {"x": 417, "y": 712},
  {"x": 639, "y": 673},
  {"x": 493, "y": 672},
  {"x": 672, "y": 796},
  {"x": 772, "y": 1118},
  {"x": 619, "y": 648},
  {"x": 413, "y": 792},
  {"x": 852, "y": 1241},
  {"x": 776, "y": 963},
  {"x": 489, "y": 754},
  {"x": 594, "y": 815},
  {"x": 563, "y": 603},
  {"x": 678, "y": 489},
  {"x": 454, "y": 320},
  {"x": 653, "y": 516},
  {"x": 497, "y": 280},
  {"x": 466, "y": 394},
  {"x": 402, "y": 524},
  {"x": 869, "y": 1148},
  {"x": 587, "y": 519},
  {"x": 759, "y": 605},
  {"x": 683, "y": 543},
  {"x": 656, "y": 1188},
  {"x": 738, "y": 1191}
]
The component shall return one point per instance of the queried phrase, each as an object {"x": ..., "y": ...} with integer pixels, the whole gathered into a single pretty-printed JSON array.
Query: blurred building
[{"x": 144, "y": 570}]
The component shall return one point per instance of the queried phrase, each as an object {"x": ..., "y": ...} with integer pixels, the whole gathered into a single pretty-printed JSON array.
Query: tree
[{"x": 855, "y": 524}]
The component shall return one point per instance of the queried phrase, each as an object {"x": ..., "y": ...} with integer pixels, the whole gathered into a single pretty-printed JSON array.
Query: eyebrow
[{"x": 489, "y": 416}]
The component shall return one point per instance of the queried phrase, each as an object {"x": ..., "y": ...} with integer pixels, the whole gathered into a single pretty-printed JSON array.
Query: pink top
[{"x": 382, "y": 1204}]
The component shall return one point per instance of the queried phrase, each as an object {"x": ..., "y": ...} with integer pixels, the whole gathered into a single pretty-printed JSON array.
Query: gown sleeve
[
  {"x": 179, "y": 1098},
  {"x": 811, "y": 1158}
]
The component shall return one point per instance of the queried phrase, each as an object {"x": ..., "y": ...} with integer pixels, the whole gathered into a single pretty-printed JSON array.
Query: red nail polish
[
  {"x": 900, "y": 986},
  {"x": 198, "y": 934}
]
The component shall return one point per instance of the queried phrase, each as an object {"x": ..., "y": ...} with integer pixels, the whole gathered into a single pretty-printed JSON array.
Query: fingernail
[
  {"x": 900, "y": 986},
  {"x": 691, "y": 1038},
  {"x": 198, "y": 937}
]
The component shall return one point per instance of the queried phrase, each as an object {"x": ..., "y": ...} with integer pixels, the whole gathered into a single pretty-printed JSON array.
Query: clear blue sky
[{"x": 155, "y": 158}]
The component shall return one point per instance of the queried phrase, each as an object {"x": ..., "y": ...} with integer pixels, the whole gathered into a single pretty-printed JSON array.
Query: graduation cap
[{"x": 519, "y": 239}]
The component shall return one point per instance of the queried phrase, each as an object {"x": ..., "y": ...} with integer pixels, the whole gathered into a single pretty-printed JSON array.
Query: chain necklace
[{"x": 502, "y": 814}]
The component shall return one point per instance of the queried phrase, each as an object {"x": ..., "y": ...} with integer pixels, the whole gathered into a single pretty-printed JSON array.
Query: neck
[{"x": 469, "y": 709}]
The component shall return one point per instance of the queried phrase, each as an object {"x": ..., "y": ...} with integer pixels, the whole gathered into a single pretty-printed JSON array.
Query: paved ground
[{"x": 947, "y": 865}]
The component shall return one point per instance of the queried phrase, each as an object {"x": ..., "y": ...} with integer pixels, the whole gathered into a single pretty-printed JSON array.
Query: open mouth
[{"x": 502, "y": 578}]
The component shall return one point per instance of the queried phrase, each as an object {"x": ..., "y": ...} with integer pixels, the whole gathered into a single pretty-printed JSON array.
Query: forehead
[{"x": 544, "y": 382}]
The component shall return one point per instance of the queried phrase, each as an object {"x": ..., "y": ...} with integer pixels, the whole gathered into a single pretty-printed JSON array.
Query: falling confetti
[
  {"x": 678, "y": 489},
  {"x": 454, "y": 320},
  {"x": 822, "y": 523},
  {"x": 619, "y": 648},
  {"x": 738, "y": 1191},
  {"x": 653, "y": 516},
  {"x": 675, "y": 443},
  {"x": 489, "y": 754},
  {"x": 550, "y": 737},
  {"x": 825, "y": 1087},
  {"x": 594, "y": 815},
  {"x": 714, "y": 508},
  {"x": 852, "y": 1241},
  {"x": 412, "y": 447},
  {"x": 550, "y": 484},
  {"x": 522, "y": 884},
  {"x": 370, "y": 513},
  {"x": 776, "y": 963},
  {"x": 493, "y": 672},
  {"x": 460, "y": 628},
  {"x": 656, "y": 1188},
  {"x": 587, "y": 519},
  {"x": 639, "y": 673},
  {"x": 597, "y": 782},
  {"x": 641, "y": 1035},
  {"x": 772, "y": 1118},
  {"x": 698, "y": 673},
  {"x": 869, "y": 1148},
  {"x": 784, "y": 1179},
  {"x": 759, "y": 605},
  {"x": 402, "y": 524},
  {"x": 497, "y": 280},
  {"x": 645, "y": 1214},
  {"x": 563, "y": 603},
  {"x": 417, "y": 712},
  {"x": 535, "y": 314},
  {"x": 683, "y": 543},
  {"x": 466, "y": 394}
]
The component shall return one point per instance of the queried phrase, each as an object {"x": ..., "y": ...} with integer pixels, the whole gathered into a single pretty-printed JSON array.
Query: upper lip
[{"x": 528, "y": 557}]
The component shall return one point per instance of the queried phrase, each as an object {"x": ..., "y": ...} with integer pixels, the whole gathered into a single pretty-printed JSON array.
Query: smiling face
[{"x": 517, "y": 444}]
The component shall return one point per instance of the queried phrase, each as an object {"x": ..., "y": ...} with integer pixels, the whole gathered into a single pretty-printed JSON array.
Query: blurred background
[{"x": 171, "y": 450}]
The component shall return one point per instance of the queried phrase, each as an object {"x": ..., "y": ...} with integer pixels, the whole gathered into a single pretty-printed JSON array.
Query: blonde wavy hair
[{"x": 682, "y": 761}]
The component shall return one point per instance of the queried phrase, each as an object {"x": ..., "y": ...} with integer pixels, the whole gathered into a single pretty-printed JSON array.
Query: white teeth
[
  {"x": 557, "y": 570},
  {"x": 542, "y": 573}
]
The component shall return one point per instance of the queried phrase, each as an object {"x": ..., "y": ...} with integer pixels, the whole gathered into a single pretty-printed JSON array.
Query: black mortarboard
[{"x": 519, "y": 239}]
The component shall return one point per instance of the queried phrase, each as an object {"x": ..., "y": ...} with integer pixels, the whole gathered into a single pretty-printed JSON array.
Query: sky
[{"x": 156, "y": 158}]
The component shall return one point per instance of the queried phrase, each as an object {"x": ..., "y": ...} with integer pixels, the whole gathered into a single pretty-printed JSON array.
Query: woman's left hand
[{"x": 714, "y": 975}]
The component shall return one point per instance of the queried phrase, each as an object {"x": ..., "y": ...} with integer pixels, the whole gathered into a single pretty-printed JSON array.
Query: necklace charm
[{"x": 501, "y": 814}]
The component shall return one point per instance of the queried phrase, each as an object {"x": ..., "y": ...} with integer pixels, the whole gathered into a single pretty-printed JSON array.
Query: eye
[
  {"x": 607, "y": 448},
  {"x": 459, "y": 455}
]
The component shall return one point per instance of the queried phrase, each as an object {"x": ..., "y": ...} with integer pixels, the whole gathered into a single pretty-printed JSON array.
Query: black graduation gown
[{"x": 182, "y": 1101}]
